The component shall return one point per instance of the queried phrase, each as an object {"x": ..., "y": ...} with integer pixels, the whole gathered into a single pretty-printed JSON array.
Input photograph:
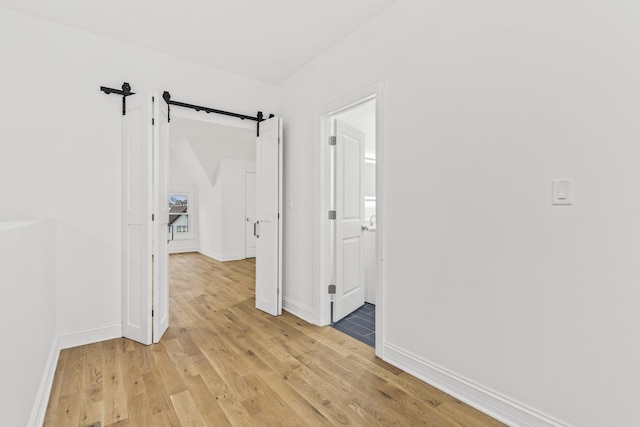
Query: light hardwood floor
[{"x": 222, "y": 362}]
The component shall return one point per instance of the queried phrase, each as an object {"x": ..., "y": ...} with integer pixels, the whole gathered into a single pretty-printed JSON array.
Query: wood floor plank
[
  {"x": 115, "y": 402},
  {"x": 206, "y": 402},
  {"x": 187, "y": 411},
  {"x": 224, "y": 363}
]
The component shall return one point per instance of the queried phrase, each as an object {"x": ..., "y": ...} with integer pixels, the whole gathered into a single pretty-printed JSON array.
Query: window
[{"x": 179, "y": 214}]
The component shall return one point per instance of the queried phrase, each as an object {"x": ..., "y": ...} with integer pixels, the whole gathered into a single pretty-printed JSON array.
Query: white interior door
[
  {"x": 250, "y": 214},
  {"x": 349, "y": 203},
  {"x": 268, "y": 221},
  {"x": 137, "y": 138},
  {"x": 161, "y": 218}
]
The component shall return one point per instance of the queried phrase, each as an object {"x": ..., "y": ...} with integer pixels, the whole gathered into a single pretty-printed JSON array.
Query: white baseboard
[
  {"x": 210, "y": 254},
  {"x": 39, "y": 409},
  {"x": 61, "y": 341},
  {"x": 232, "y": 257},
  {"x": 491, "y": 403},
  {"x": 221, "y": 257},
  {"x": 89, "y": 336},
  {"x": 182, "y": 250},
  {"x": 298, "y": 310},
  {"x": 179, "y": 246}
]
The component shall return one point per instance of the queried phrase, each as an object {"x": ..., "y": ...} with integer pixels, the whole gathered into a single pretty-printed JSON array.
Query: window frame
[{"x": 189, "y": 193}]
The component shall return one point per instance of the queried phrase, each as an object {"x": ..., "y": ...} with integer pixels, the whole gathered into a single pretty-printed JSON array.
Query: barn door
[
  {"x": 145, "y": 286},
  {"x": 137, "y": 139},
  {"x": 268, "y": 217},
  {"x": 161, "y": 218}
]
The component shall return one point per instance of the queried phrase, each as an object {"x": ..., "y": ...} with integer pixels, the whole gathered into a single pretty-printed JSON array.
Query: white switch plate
[{"x": 562, "y": 191}]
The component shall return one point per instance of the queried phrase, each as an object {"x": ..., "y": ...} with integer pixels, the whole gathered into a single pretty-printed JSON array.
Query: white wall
[
  {"x": 484, "y": 104},
  {"x": 212, "y": 142},
  {"x": 62, "y": 153},
  {"x": 210, "y": 220},
  {"x": 27, "y": 318}
]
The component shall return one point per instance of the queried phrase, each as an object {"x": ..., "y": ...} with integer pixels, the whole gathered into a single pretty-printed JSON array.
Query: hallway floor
[{"x": 224, "y": 363}]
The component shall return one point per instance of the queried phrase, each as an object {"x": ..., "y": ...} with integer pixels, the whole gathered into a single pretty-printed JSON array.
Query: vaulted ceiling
[{"x": 266, "y": 40}]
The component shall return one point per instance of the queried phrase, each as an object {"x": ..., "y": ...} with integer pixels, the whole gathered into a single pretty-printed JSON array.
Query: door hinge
[
  {"x": 151, "y": 313},
  {"x": 332, "y": 214},
  {"x": 333, "y": 140},
  {"x": 153, "y": 121},
  {"x": 153, "y": 217},
  {"x": 332, "y": 289}
]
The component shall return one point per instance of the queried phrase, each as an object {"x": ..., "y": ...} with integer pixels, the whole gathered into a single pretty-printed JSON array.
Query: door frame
[{"x": 322, "y": 186}]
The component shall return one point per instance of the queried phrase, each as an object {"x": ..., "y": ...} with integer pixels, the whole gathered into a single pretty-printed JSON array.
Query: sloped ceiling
[{"x": 266, "y": 40}]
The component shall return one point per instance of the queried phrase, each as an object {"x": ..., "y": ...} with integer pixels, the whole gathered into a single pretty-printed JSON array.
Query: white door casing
[
  {"x": 137, "y": 136},
  {"x": 268, "y": 221},
  {"x": 161, "y": 218},
  {"x": 250, "y": 214},
  {"x": 349, "y": 204}
]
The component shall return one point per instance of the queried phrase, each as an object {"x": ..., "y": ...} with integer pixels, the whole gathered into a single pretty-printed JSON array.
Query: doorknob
[{"x": 248, "y": 220}]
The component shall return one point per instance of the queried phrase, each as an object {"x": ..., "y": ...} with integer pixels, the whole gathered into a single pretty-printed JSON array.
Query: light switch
[{"x": 562, "y": 191}]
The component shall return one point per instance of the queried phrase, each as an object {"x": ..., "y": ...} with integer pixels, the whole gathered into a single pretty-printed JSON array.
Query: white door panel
[
  {"x": 268, "y": 222},
  {"x": 161, "y": 218},
  {"x": 145, "y": 286},
  {"x": 349, "y": 204},
  {"x": 137, "y": 136}
]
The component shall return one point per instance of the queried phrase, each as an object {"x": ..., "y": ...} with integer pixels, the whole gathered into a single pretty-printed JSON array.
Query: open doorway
[
  {"x": 155, "y": 210},
  {"x": 354, "y": 165},
  {"x": 234, "y": 184},
  {"x": 349, "y": 240},
  {"x": 210, "y": 170}
]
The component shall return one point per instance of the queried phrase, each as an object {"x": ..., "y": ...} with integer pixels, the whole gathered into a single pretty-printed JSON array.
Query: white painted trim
[
  {"x": 232, "y": 257},
  {"x": 46, "y": 384},
  {"x": 89, "y": 336},
  {"x": 221, "y": 257},
  {"x": 488, "y": 401},
  {"x": 184, "y": 250},
  {"x": 213, "y": 255},
  {"x": 299, "y": 310}
]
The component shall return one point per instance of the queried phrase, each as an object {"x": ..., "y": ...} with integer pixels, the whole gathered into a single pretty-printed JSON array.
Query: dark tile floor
[{"x": 361, "y": 324}]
